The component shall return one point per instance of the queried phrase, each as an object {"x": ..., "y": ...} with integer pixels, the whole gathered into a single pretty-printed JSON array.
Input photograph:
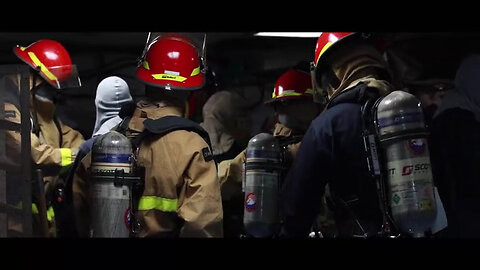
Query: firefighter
[
  {"x": 332, "y": 150},
  {"x": 294, "y": 107},
  {"x": 54, "y": 145},
  {"x": 181, "y": 194},
  {"x": 226, "y": 119},
  {"x": 112, "y": 93}
]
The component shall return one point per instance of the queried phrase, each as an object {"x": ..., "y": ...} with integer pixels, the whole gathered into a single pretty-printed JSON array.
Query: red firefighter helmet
[
  {"x": 52, "y": 61},
  {"x": 172, "y": 62},
  {"x": 293, "y": 84},
  {"x": 325, "y": 42}
]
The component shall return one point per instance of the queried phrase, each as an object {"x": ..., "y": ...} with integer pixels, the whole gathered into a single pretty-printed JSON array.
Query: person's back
[
  {"x": 53, "y": 144},
  {"x": 455, "y": 151},
  {"x": 332, "y": 150},
  {"x": 181, "y": 194}
]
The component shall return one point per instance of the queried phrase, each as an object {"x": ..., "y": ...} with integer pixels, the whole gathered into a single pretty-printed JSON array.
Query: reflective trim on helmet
[
  {"x": 169, "y": 77},
  {"x": 157, "y": 203},
  {"x": 195, "y": 71},
  {"x": 43, "y": 68},
  {"x": 292, "y": 93},
  {"x": 66, "y": 156},
  {"x": 22, "y": 48},
  {"x": 145, "y": 65},
  {"x": 323, "y": 50}
]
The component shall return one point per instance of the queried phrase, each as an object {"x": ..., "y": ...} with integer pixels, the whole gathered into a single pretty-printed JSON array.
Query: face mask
[
  {"x": 291, "y": 122},
  {"x": 46, "y": 93}
]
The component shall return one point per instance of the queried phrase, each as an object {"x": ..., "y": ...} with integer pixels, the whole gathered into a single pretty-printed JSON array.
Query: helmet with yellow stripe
[
  {"x": 171, "y": 62},
  {"x": 330, "y": 46},
  {"x": 52, "y": 61},
  {"x": 293, "y": 84},
  {"x": 325, "y": 43}
]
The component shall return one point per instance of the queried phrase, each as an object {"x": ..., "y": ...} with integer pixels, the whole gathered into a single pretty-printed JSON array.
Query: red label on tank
[
  {"x": 250, "y": 202},
  {"x": 416, "y": 146},
  {"x": 127, "y": 218}
]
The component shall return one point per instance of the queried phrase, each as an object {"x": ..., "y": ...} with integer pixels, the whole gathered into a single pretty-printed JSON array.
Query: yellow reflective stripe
[
  {"x": 284, "y": 94},
  {"x": 187, "y": 110},
  {"x": 43, "y": 68},
  {"x": 323, "y": 50},
  {"x": 66, "y": 154},
  {"x": 50, "y": 214},
  {"x": 34, "y": 208},
  {"x": 170, "y": 77},
  {"x": 22, "y": 49},
  {"x": 145, "y": 65},
  {"x": 195, "y": 71},
  {"x": 157, "y": 203}
]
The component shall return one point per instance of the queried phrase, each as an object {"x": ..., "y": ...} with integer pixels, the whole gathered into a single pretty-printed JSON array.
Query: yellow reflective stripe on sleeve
[
  {"x": 323, "y": 50},
  {"x": 34, "y": 208},
  {"x": 145, "y": 65},
  {"x": 50, "y": 214},
  {"x": 157, "y": 203},
  {"x": 43, "y": 68},
  {"x": 169, "y": 77},
  {"x": 195, "y": 71},
  {"x": 66, "y": 154}
]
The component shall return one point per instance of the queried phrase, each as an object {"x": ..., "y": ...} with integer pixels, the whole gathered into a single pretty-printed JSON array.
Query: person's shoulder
[
  {"x": 185, "y": 139},
  {"x": 347, "y": 111}
]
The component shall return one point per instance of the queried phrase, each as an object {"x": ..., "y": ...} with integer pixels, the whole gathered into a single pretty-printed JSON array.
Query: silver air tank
[
  {"x": 111, "y": 157},
  {"x": 402, "y": 135},
  {"x": 261, "y": 175}
]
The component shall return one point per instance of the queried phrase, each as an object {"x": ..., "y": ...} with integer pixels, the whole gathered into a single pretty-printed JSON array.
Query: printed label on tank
[
  {"x": 408, "y": 170},
  {"x": 400, "y": 119},
  {"x": 110, "y": 167},
  {"x": 111, "y": 158},
  {"x": 250, "y": 202},
  {"x": 109, "y": 191},
  {"x": 418, "y": 198}
]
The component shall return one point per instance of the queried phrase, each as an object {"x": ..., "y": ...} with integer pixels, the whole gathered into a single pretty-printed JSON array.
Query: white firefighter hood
[{"x": 112, "y": 94}]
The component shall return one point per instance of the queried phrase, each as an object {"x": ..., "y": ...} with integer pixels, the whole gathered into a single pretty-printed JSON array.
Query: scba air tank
[
  {"x": 262, "y": 179},
  {"x": 111, "y": 158},
  {"x": 403, "y": 137}
]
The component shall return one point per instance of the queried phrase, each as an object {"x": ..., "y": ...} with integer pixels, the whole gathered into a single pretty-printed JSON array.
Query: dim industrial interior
[{"x": 193, "y": 178}]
